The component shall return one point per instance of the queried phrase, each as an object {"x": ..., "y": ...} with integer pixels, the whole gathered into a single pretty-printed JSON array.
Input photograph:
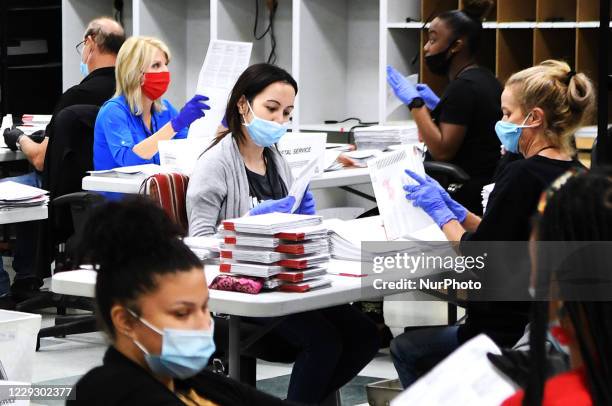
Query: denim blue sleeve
[
  {"x": 115, "y": 124},
  {"x": 173, "y": 113}
]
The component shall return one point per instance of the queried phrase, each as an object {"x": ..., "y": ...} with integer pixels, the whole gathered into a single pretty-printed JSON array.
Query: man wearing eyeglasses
[{"x": 97, "y": 52}]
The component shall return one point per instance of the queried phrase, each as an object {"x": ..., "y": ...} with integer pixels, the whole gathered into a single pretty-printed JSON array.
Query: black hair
[
  {"x": 250, "y": 83},
  {"x": 468, "y": 22},
  {"x": 130, "y": 243},
  {"x": 108, "y": 41},
  {"x": 581, "y": 210}
]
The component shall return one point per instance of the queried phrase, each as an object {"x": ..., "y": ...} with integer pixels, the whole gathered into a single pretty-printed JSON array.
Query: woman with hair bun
[
  {"x": 542, "y": 108},
  {"x": 459, "y": 127}
]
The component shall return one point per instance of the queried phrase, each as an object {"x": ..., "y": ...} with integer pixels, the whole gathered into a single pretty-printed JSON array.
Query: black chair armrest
[
  {"x": 78, "y": 198},
  {"x": 454, "y": 173}
]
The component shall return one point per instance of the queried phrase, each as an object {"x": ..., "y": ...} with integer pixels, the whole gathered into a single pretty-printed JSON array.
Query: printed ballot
[
  {"x": 451, "y": 383},
  {"x": 224, "y": 62},
  {"x": 388, "y": 175},
  {"x": 301, "y": 182}
]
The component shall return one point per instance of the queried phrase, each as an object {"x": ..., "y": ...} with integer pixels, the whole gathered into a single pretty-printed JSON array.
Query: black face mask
[{"x": 439, "y": 64}]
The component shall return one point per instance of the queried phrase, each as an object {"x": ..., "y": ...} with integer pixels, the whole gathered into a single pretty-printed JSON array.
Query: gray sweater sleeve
[{"x": 205, "y": 195}]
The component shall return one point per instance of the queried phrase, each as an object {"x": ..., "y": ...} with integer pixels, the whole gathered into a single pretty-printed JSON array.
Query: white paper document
[
  {"x": 299, "y": 149},
  {"x": 13, "y": 191},
  {"x": 224, "y": 62},
  {"x": 388, "y": 176},
  {"x": 133, "y": 171},
  {"x": 181, "y": 155},
  {"x": 464, "y": 378},
  {"x": 301, "y": 182}
]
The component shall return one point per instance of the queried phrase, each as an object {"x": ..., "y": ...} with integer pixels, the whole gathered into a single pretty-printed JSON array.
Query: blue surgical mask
[
  {"x": 264, "y": 132},
  {"x": 184, "y": 352},
  {"x": 84, "y": 69},
  {"x": 510, "y": 133}
]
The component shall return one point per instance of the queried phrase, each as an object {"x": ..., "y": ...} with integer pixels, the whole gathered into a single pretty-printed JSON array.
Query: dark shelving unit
[{"x": 30, "y": 77}]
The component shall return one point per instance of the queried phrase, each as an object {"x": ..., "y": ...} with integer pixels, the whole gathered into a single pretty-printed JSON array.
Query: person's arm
[
  {"x": 471, "y": 222},
  {"x": 453, "y": 231},
  {"x": 206, "y": 192},
  {"x": 112, "y": 123},
  {"x": 148, "y": 147},
  {"x": 33, "y": 151},
  {"x": 442, "y": 142}
]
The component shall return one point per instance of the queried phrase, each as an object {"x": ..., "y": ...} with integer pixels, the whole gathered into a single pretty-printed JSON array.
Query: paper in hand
[
  {"x": 388, "y": 176},
  {"x": 451, "y": 383},
  {"x": 224, "y": 62},
  {"x": 301, "y": 183}
]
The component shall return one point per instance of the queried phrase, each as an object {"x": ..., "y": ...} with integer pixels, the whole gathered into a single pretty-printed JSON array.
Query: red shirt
[{"x": 567, "y": 389}]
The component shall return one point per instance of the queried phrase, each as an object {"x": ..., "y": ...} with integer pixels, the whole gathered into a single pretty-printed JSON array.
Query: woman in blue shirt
[{"x": 130, "y": 125}]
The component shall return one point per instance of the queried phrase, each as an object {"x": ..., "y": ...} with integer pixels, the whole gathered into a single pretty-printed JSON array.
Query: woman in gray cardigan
[{"x": 243, "y": 173}]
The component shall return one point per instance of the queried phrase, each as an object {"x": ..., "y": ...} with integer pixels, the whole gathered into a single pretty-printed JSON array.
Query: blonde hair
[
  {"x": 567, "y": 98},
  {"x": 133, "y": 60}
]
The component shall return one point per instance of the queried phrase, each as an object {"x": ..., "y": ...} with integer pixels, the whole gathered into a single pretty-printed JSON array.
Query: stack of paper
[
  {"x": 361, "y": 157},
  {"x": 289, "y": 251},
  {"x": 15, "y": 195},
  {"x": 346, "y": 240},
  {"x": 271, "y": 223},
  {"x": 206, "y": 248},
  {"x": 381, "y": 137},
  {"x": 34, "y": 122}
]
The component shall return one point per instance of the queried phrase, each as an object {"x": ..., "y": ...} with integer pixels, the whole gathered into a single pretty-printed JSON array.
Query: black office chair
[
  {"x": 69, "y": 156},
  {"x": 450, "y": 176}
]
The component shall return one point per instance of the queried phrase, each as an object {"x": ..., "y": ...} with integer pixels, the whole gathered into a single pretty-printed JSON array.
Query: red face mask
[{"x": 155, "y": 84}]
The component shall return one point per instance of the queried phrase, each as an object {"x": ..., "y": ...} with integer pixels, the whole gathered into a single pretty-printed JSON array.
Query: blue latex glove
[
  {"x": 191, "y": 111},
  {"x": 429, "y": 97},
  {"x": 402, "y": 87},
  {"x": 308, "y": 204},
  {"x": 428, "y": 197},
  {"x": 457, "y": 209},
  {"x": 283, "y": 205}
]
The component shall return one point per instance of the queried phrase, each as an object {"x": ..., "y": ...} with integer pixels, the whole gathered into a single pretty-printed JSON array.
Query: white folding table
[
  {"x": 8, "y": 216},
  {"x": 344, "y": 289},
  {"x": 340, "y": 178}
]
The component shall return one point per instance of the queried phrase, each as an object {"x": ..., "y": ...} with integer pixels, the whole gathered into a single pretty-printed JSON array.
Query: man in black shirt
[{"x": 98, "y": 51}]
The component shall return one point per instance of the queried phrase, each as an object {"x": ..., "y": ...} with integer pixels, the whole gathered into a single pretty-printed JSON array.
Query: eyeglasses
[{"x": 79, "y": 47}]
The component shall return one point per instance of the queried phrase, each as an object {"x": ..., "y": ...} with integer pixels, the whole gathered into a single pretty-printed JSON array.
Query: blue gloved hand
[
  {"x": 428, "y": 197},
  {"x": 191, "y": 111},
  {"x": 404, "y": 89},
  {"x": 307, "y": 206},
  {"x": 283, "y": 205},
  {"x": 429, "y": 97},
  {"x": 457, "y": 209}
]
